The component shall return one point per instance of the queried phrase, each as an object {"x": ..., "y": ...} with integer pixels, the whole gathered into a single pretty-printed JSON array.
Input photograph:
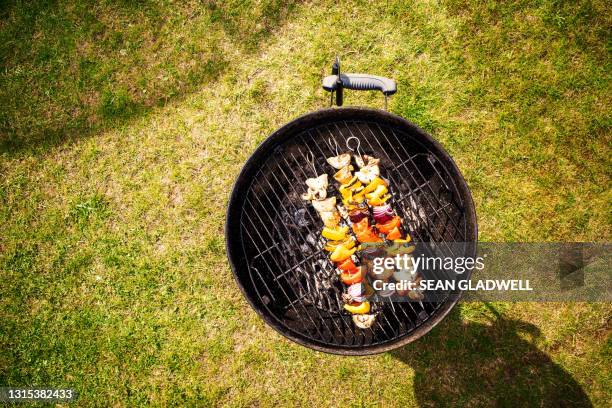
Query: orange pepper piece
[
  {"x": 364, "y": 232},
  {"x": 347, "y": 265},
  {"x": 394, "y": 234},
  {"x": 389, "y": 225},
  {"x": 361, "y": 226},
  {"x": 353, "y": 276},
  {"x": 368, "y": 236}
]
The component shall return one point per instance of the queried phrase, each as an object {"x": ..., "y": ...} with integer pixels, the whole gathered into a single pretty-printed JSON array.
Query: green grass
[{"x": 123, "y": 125}]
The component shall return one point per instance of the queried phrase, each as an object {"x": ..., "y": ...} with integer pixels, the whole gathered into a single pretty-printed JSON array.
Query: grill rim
[{"x": 235, "y": 245}]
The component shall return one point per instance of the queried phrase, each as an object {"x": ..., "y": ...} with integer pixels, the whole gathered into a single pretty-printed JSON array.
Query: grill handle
[
  {"x": 337, "y": 81},
  {"x": 360, "y": 82}
]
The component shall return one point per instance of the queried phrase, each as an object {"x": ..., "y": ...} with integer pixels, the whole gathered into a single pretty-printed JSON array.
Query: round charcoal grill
[{"x": 273, "y": 236}]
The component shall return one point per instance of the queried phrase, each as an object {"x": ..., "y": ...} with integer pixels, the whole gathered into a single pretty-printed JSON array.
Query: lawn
[{"x": 123, "y": 125}]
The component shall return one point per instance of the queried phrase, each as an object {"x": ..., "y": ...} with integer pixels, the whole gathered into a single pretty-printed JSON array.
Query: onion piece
[
  {"x": 340, "y": 161},
  {"x": 317, "y": 188},
  {"x": 344, "y": 175},
  {"x": 382, "y": 213},
  {"x": 407, "y": 274},
  {"x": 318, "y": 182},
  {"x": 364, "y": 321},
  {"x": 357, "y": 215},
  {"x": 330, "y": 218},
  {"x": 362, "y": 160},
  {"x": 325, "y": 205},
  {"x": 355, "y": 294},
  {"x": 356, "y": 290},
  {"x": 368, "y": 173}
]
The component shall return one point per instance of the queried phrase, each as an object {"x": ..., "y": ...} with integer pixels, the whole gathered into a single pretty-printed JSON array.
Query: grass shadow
[{"x": 496, "y": 364}]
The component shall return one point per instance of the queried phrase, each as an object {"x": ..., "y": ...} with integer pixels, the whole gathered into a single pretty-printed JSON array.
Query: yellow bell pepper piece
[
  {"x": 341, "y": 253},
  {"x": 379, "y": 192},
  {"x": 356, "y": 185},
  {"x": 378, "y": 201},
  {"x": 347, "y": 190},
  {"x": 349, "y": 182},
  {"x": 331, "y": 246},
  {"x": 399, "y": 248},
  {"x": 378, "y": 196},
  {"x": 361, "y": 308},
  {"x": 335, "y": 234},
  {"x": 346, "y": 193},
  {"x": 358, "y": 198},
  {"x": 374, "y": 184},
  {"x": 403, "y": 241}
]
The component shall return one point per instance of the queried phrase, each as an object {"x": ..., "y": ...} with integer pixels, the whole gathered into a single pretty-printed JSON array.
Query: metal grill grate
[{"x": 280, "y": 233}]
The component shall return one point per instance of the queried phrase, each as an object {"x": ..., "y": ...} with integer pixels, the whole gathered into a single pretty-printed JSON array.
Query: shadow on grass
[
  {"x": 497, "y": 364},
  {"x": 73, "y": 69}
]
